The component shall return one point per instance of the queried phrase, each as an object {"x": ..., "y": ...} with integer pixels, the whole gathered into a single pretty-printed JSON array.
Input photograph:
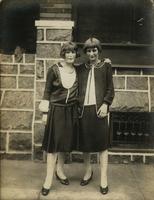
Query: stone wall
[
  {"x": 134, "y": 89},
  {"x": 17, "y": 105}
]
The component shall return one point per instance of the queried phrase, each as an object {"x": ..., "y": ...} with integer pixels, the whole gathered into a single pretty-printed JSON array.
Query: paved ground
[{"x": 22, "y": 180}]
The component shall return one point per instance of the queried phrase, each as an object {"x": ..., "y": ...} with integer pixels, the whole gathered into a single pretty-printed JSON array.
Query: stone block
[
  {"x": 18, "y": 99},
  {"x": 48, "y": 50},
  {"x": 59, "y": 35},
  {"x": 77, "y": 157},
  {"x": 20, "y": 142},
  {"x": 30, "y": 58},
  {"x": 38, "y": 153},
  {"x": 119, "y": 82},
  {"x": 152, "y": 93},
  {"x": 130, "y": 101},
  {"x": 26, "y": 82},
  {"x": 40, "y": 34},
  {"x": 6, "y": 58},
  {"x": 27, "y": 69},
  {"x": 39, "y": 90},
  {"x": 16, "y": 120},
  {"x": 2, "y": 141},
  {"x": 8, "y": 82},
  {"x": 128, "y": 71},
  {"x": 8, "y": 69},
  {"x": 18, "y": 57},
  {"x": 39, "y": 69},
  {"x": 137, "y": 83},
  {"x": 38, "y": 114},
  {"x": 38, "y": 133}
]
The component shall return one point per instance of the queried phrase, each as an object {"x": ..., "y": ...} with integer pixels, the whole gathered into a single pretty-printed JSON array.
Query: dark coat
[{"x": 103, "y": 84}]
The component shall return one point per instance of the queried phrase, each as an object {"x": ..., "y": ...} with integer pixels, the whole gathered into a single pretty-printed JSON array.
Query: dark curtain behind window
[
  {"x": 17, "y": 21},
  {"x": 113, "y": 21}
]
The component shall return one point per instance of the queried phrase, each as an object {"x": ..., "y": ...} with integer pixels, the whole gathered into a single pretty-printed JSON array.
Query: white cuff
[{"x": 44, "y": 106}]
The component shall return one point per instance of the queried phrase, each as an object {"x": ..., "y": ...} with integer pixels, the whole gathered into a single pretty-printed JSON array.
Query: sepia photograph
[{"x": 76, "y": 99}]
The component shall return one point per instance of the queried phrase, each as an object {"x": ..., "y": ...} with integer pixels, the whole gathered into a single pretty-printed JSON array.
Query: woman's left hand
[{"x": 102, "y": 112}]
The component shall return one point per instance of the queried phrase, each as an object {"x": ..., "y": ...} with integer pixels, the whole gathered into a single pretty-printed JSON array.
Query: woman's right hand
[{"x": 44, "y": 119}]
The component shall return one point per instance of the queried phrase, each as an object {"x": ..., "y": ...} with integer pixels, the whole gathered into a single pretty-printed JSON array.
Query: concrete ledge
[{"x": 55, "y": 24}]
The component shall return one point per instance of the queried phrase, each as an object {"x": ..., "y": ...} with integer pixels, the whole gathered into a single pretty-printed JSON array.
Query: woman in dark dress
[
  {"x": 60, "y": 113},
  {"x": 96, "y": 93}
]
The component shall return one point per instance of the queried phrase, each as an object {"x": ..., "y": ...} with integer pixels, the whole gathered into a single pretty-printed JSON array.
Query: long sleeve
[
  {"x": 109, "y": 86},
  {"x": 49, "y": 84}
]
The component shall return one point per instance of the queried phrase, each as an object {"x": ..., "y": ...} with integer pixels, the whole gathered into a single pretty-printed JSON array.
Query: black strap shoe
[
  {"x": 104, "y": 190},
  {"x": 45, "y": 191},
  {"x": 86, "y": 182},
  {"x": 62, "y": 181}
]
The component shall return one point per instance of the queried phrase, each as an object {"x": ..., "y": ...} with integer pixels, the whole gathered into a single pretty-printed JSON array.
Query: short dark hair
[
  {"x": 71, "y": 46},
  {"x": 92, "y": 43}
]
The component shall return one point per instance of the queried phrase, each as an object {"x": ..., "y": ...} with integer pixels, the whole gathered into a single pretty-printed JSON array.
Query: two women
[
  {"x": 59, "y": 107},
  {"x": 95, "y": 94}
]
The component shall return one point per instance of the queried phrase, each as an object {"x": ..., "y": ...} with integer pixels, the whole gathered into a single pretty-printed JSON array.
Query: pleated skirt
[
  {"x": 93, "y": 132},
  {"x": 61, "y": 130}
]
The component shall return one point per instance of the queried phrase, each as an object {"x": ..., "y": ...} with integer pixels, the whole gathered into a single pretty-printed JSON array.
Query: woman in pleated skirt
[{"x": 59, "y": 107}]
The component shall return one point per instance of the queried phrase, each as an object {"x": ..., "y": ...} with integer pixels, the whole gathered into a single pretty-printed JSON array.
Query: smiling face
[
  {"x": 70, "y": 56},
  {"x": 92, "y": 54}
]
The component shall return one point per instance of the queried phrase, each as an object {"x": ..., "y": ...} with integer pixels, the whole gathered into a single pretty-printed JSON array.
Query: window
[{"x": 113, "y": 21}]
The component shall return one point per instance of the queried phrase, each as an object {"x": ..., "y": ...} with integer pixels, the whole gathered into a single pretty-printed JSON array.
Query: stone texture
[
  {"x": 20, "y": 141},
  {"x": 27, "y": 69},
  {"x": 119, "y": 82},
  {"x": 8, "y": 69},
  {"x": 152, "y": 93},
  {"x": 137, "y": 83},
  {"x": 8, "y": 82},
  {"x": 130, "y": 101},
  {"x": 39, "y": 69},
  {"x": 59, "y": 35},
  {"x": 18, "y": 57},
  {"x": 38, "y": 114},
  {"x": 6, "y": 58},
  {"x": 38, "y": 133},
  {"x": 30, "y": 58},
  {"x": 40, "y": 35},
  {"x": 2, "y": 141},
  {"x": 39, "y": 90},
  {"x": 18, "y": 99},
  {"x": 16, "y": 120},
  {"x": 38, "y": 153},
  {"x": 48, "y": 50},
  {"x": 1, "y": 92},
  {"x": 26, "y": 82},
  {"x": 126, "y": 71}
]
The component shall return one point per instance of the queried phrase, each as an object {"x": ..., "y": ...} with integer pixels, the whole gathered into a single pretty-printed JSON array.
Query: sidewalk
[{"x": 22, "y": 180}]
